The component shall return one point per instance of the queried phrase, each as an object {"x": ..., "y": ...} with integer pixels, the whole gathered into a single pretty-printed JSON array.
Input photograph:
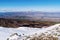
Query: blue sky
[{"x": 30, "y": 5}]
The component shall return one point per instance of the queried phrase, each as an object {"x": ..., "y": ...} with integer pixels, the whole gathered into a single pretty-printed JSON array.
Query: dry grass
[{"x": 45, "y": 37}]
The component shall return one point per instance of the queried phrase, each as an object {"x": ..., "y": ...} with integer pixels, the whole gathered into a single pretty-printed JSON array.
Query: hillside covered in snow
[{"x": 26, "y": 33}]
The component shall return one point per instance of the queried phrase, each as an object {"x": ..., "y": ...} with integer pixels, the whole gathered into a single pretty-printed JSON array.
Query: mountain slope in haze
[
  {"x": 32, "y": 15},
  {"x": 45, "y": 14}
]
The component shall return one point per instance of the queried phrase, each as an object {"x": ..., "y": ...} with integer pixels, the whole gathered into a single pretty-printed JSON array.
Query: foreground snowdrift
[
  {"x": 50, "y": 33},
  {"x": 6, "y": 32},
  {"x": 25, "y": 33}
]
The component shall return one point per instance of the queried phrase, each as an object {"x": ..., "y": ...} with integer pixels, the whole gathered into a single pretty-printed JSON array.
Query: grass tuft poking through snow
[{"x": 51, "y": 34}]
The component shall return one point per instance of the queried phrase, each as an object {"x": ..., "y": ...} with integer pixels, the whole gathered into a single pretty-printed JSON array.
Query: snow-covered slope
[
  {"x": 6, "y": 32},
  {"x": 26, "y": 33}
]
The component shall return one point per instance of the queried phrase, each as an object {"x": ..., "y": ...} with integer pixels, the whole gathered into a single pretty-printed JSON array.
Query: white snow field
[
  {"x": 26, "y": 33},
  {"x": 6, "y": 32}
]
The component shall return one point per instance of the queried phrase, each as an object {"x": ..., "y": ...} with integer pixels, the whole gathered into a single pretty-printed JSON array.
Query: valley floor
[{"x": 15, "y": 23}]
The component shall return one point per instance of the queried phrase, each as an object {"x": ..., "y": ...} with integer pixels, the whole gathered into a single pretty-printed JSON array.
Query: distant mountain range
[{"x": 47, "y": 16}]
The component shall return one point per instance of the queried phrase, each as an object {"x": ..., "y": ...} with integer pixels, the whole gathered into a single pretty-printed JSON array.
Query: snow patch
[{"x": 24, "y": 32}]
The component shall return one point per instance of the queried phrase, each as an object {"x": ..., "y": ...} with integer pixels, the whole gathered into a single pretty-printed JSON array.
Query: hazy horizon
[{"x": 30, "y": 5}]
